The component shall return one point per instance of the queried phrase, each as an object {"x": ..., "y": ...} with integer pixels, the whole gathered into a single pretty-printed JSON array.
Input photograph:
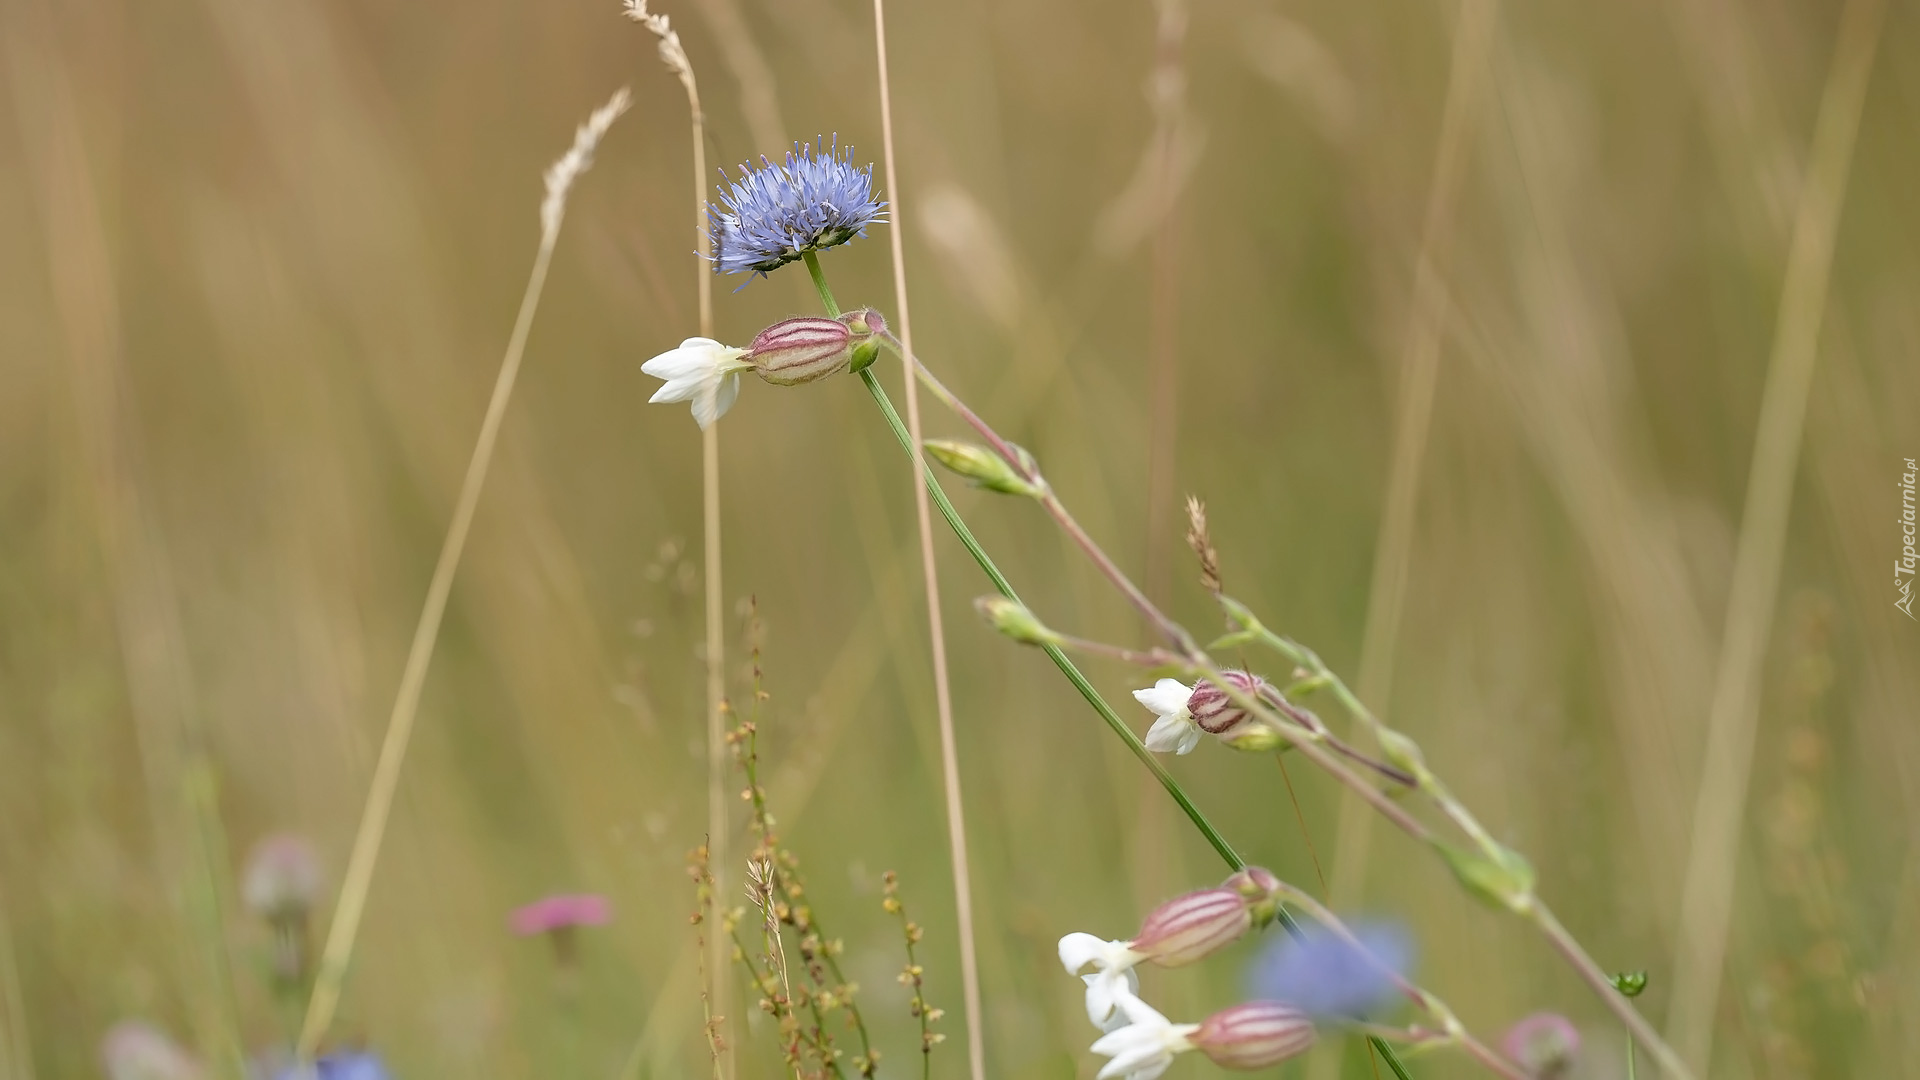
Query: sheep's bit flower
[{"x": 775, "y": 214}]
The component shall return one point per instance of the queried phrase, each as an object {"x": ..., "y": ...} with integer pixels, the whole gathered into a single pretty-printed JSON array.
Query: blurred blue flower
[
  {"x": 1327, "y": 978},
  {"x": 344, "y": 1065},
  {"x": 774, "y": 214}
]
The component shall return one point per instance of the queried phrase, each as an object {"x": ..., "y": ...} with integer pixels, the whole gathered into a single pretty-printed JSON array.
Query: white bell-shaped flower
[
  {"x": 1175, "y": 731},
  {"x": 701, "y": 371},
  {"x": 1112, "y": 978},
  {"x": 1144, "y": 1048}
]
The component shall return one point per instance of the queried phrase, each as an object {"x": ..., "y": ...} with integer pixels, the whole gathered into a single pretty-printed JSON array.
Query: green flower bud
[
  {"x": 1504, "y": 879},
  {"x": 1403, "y": 753},
  {"x": 1012, "y": 618},
  {"x": 1629, "y": 983},
  {"x": 1255, "y": 737},
  {"x": 982, "y": 466}
]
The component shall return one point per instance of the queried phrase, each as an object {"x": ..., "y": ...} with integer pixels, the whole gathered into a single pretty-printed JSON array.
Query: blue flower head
[
  {"x": 774, "y": 214},
  {"x": 344, "y": 1065},
  {"x": 1328, "y": 979}
]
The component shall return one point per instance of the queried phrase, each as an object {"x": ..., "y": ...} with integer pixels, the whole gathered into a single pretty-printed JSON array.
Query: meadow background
[{"x": 260, "y": 259}]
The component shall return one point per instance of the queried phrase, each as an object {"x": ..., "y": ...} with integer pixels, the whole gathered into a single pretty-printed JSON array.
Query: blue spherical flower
[
  {"x": 1327, "y": 978},
  {"x": 774, "y": 214},
  {"x": 344, "y": 1065}
]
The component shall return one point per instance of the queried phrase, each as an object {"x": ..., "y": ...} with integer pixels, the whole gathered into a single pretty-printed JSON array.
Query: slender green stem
[
  {"x": 1059, "y": 658},
  {"x": 1177, "y": 635}
]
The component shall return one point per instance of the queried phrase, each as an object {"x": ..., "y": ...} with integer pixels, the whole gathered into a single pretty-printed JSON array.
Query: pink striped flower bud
[
  {"x": 1257, "y": 1035},
  {"x": 1214, "y": 711},
  {"x": 800, "y": 350},
  {"x": 1189, "y": 927}
]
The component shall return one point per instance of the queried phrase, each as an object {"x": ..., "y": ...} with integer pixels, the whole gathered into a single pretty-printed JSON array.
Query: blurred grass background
[{"x": 260, "y": 261}]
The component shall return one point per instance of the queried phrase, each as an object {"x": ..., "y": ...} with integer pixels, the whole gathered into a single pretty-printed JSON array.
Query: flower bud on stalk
[
  {"x": 800, "y": 350},
  {"x": 1012, "y": 618},
  {"x": 1256, "y": 1035},
  {"x": 1189, "y": 927},
  {"x": 982, "y": 466},
  {"x": 1216, "y": 712},
  {"x": 868, "y": 328},
  {"x": 1176, "y": 933}
]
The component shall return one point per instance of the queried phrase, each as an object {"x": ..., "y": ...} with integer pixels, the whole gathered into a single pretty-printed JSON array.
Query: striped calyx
[
  {"x": 1186, "y": 928},
  {"x": 800, "y": 350},
  {"x": 1256, "y": 1035},
  {"x": 1214, "y": 710}
]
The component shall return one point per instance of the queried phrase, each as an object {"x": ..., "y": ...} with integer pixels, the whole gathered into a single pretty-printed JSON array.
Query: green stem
[
  {"x": 1053, "y": 652},
  {"x": 1005, "y": 589}
]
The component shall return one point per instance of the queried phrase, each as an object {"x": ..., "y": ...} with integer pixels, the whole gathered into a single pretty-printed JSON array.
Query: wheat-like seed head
[{"x": 561, "y": 175}]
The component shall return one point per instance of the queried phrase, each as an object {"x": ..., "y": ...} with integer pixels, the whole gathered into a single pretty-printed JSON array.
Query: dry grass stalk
[
  {"x": 365, "y": 855},
  {"x": 943, "y": 697},
  {"x": 674, "y": 56},
  {"x": 1707, "y": 899}
]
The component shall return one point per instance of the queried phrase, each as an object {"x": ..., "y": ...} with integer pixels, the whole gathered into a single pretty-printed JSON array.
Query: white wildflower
[
  {"x": 1175, "y": 730},
  {"x": 1144, "y": 1048},
  {"x": 1112, "y": 980},
  {"x": 701, "y": 371}
]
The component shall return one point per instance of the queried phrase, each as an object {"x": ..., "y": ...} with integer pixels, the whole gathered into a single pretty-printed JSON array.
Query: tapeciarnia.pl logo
[{"x": 1903, "y": 566}]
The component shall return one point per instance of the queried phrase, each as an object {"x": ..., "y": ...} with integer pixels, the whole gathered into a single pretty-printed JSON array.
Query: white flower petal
[
  {"x": 1172, "y": 734},
  {"x": 1168, "y": 697},
  {"x": 701, "y": 371},
  {"x": 1189, "y": 739},
  {"x": 1117, "y": 1018},
  {"x": 1139, "y": 1012},
  {"x": 1100, "y": 996},
  {"x": 1079, "y": 950},
  {"x": 725, "y": 395},
  {"x": 1146, "y": 1046}
]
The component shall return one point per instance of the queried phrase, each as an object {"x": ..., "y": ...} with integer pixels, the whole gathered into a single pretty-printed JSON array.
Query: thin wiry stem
[
  {"x": 1707, "y": 897},
  {"x": 936, "y": 632},
  {"x": 393, "y": 748}
]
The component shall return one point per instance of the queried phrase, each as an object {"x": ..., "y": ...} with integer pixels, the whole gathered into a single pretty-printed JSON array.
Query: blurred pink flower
[
  {"x": 282, "y": 879},
  {"x": 139, "y": 1051},
  {"x": 1545, "y": 1044},
  {"x": 562, "y": 912}
]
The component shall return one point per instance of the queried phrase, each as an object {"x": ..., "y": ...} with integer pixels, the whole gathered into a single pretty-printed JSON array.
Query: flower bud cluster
[{"x": 1140, "y": 1041}]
